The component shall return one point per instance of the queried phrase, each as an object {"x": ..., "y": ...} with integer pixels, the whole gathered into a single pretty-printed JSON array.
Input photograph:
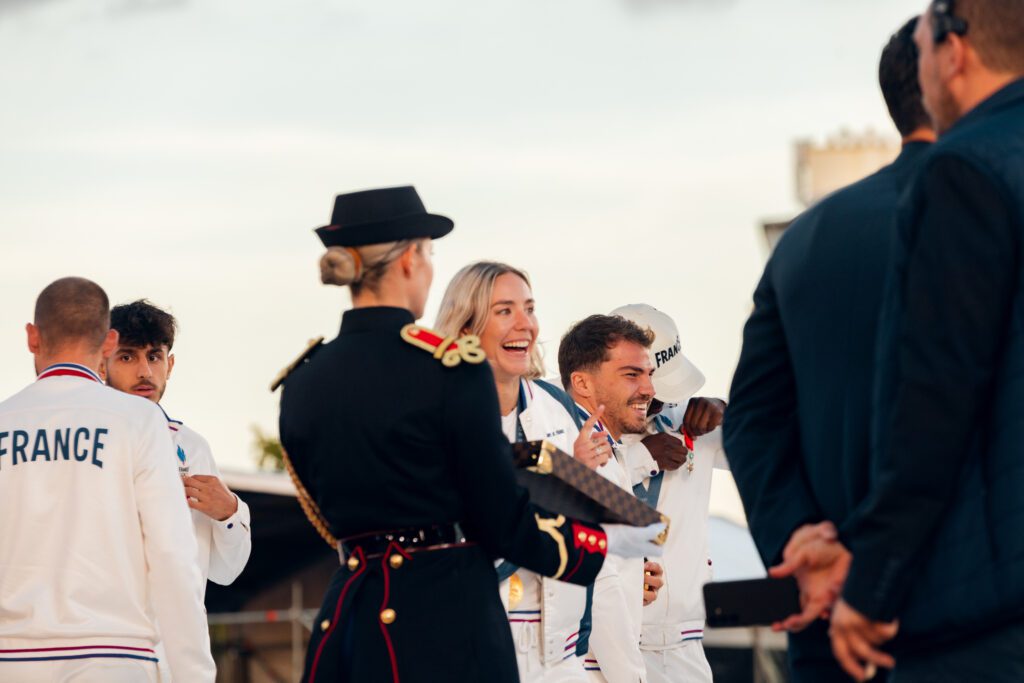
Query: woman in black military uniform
[{"x": 397, "y": 449}]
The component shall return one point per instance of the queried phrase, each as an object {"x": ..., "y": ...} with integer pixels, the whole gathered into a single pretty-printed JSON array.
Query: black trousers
[{"x": 995, "y": 657}]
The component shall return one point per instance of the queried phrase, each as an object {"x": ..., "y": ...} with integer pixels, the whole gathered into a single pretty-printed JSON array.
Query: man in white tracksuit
[
  {"x": 141, "y": 365},
  {"x": 604, "y": 364},
  {"x": 673, "y": 473},
  {"x": 96, "y": 547}
]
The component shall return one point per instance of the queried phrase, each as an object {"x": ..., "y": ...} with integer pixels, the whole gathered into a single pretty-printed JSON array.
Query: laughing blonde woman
[{"x": 495, "y": 302}]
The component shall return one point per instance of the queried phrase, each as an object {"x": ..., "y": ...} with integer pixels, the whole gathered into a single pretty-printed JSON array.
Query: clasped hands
[{"x": 820, "y": 563}]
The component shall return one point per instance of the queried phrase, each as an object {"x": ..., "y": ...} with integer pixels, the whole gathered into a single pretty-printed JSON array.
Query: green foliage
[{"x": 269, "y": 453}]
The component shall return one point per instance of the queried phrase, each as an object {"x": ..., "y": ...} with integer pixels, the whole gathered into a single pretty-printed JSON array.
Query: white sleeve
[
  {"x": 639, "y": 463},
  {"x": 613, "y": 637},
  {"x": 711, "y": 444},
  {"x": 232, "y": 540},
  {"x": 174, "y": 583}
]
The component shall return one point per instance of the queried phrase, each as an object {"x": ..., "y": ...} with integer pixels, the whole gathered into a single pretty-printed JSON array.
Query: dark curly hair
[
  {"x": 141, "y": 324},
  {"x": 586, "y": 344}
]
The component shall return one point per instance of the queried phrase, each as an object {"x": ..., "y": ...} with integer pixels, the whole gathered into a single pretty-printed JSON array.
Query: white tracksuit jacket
[
  {"x": 96, "y": 543},
  {"x": 678, "y": 614},
  {"x": 617, "y": 612},
  {"x": 561, "y": 604},
  {"x": 224, "y": 547}
]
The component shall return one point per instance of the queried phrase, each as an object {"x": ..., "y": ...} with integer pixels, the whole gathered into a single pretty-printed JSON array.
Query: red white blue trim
[
  {"x": 46, "y": 654},
  {"x": 172, "y": 424},
  {"x": 590, "y": 664},
  {"x": 694, "y": 634},
  {"x": 69, "y": 370},
  {"x": 570, "y": 647}
]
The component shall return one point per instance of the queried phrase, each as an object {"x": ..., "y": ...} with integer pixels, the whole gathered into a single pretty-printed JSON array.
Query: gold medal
[{"x": 515, "y": 591}]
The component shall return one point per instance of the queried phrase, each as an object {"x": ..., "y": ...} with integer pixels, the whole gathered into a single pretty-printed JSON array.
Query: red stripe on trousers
[
  {"x": 337, "y": 613},
  {"x": 384, "y": 565}
]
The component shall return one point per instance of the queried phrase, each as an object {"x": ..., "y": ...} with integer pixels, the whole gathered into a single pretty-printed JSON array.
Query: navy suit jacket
[{"x": 797, "y": 426}]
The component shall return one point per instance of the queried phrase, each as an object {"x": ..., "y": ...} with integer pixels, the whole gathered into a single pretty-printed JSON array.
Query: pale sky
[{"x": 618, "y": 150}]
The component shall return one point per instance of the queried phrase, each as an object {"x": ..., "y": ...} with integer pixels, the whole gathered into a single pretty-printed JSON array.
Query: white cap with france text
[{"x": 675, "y": 378}]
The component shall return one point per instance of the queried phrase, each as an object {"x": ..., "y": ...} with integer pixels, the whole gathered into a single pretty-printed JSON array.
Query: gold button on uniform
[
  {"x": 582, "y": 536},
  {"x": 325, "y": 624},
  {"x": 592, "y": 539},
  {"x": 396, "y": 561},
  {"x": 353, "y": 563},
  {"x": 388, "y": 616}
]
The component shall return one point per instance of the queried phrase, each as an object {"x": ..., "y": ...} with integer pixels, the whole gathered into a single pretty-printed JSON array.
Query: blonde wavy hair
[{"x": 467, "y": 304}]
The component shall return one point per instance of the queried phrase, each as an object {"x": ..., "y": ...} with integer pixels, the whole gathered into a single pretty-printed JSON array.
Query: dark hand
[
  {"x": 703, "y": 415},
  {"x": 210, "y": 496},
  {"x": 667, "y": 450},
  {"x": 654, "y": 579}
]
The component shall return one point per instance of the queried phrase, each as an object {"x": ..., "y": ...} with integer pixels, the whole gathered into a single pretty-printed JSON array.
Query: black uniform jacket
[
  {"x": 797, "y": 429},
  {"x": 384, "y": 436}
]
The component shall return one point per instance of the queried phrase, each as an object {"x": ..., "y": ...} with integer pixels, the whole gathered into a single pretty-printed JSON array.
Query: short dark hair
[
  {"x": 586, "y": 344},
  {"x": 72, "y": 310},
  {"x": 995, "y": 28},
  {"x": 897, "y": 75},
  {"x": 141, "y": 324}
]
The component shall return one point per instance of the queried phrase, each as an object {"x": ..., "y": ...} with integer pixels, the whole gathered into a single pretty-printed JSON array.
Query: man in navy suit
[{"x": 796, "y": 429}]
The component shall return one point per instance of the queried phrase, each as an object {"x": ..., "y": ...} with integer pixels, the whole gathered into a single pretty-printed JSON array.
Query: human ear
[{"x": 32, "y": 334}]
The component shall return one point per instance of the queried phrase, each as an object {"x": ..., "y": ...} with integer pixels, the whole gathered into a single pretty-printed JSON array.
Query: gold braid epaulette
[
  {"x": 312, "y": 347},
  {"x": 309, "y": 506},
  {"x": 449, "y": 350}
]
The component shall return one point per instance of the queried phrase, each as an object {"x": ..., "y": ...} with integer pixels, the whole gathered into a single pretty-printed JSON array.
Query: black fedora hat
[{"x": 377, "y": 216}]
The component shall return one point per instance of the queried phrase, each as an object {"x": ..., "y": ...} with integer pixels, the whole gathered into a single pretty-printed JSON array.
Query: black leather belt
[{"x": 414, "y": 539}]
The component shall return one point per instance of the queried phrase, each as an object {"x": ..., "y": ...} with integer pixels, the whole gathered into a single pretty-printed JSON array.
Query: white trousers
[
  {"x": 531, "y": 665},
  {"x": 80, "y": 671},
  {"x": 683, "y": 664}
]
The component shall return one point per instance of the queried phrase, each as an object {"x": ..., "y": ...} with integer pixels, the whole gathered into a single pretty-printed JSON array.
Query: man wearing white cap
[{"x": 671, "y": 469}]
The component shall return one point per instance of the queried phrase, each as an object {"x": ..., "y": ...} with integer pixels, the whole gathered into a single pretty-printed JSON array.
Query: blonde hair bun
[{"x": 338, "y": 267}]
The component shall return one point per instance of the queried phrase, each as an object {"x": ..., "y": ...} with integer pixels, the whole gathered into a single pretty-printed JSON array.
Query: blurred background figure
[
  {"x": 796, "y": 429},
  {"x": 938, "y": 546}
]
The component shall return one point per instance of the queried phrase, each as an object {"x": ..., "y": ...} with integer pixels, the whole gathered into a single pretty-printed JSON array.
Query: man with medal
[
  {"x": 671, "y": 468},
  {"x": 605, "y": 367}
]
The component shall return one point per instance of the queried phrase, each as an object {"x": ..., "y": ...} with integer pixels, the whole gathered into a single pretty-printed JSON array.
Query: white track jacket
[
  {"x": 96, "y": 542},
  {"x": 224, "y": 546},
  {"x": 561, "y": 605},
  {"x": 617, "y": 611},
  {"x": 678, "y": 614}
]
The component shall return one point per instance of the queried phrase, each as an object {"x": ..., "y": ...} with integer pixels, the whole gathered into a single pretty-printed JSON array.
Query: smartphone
[{"x": 755, "y": 602}]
